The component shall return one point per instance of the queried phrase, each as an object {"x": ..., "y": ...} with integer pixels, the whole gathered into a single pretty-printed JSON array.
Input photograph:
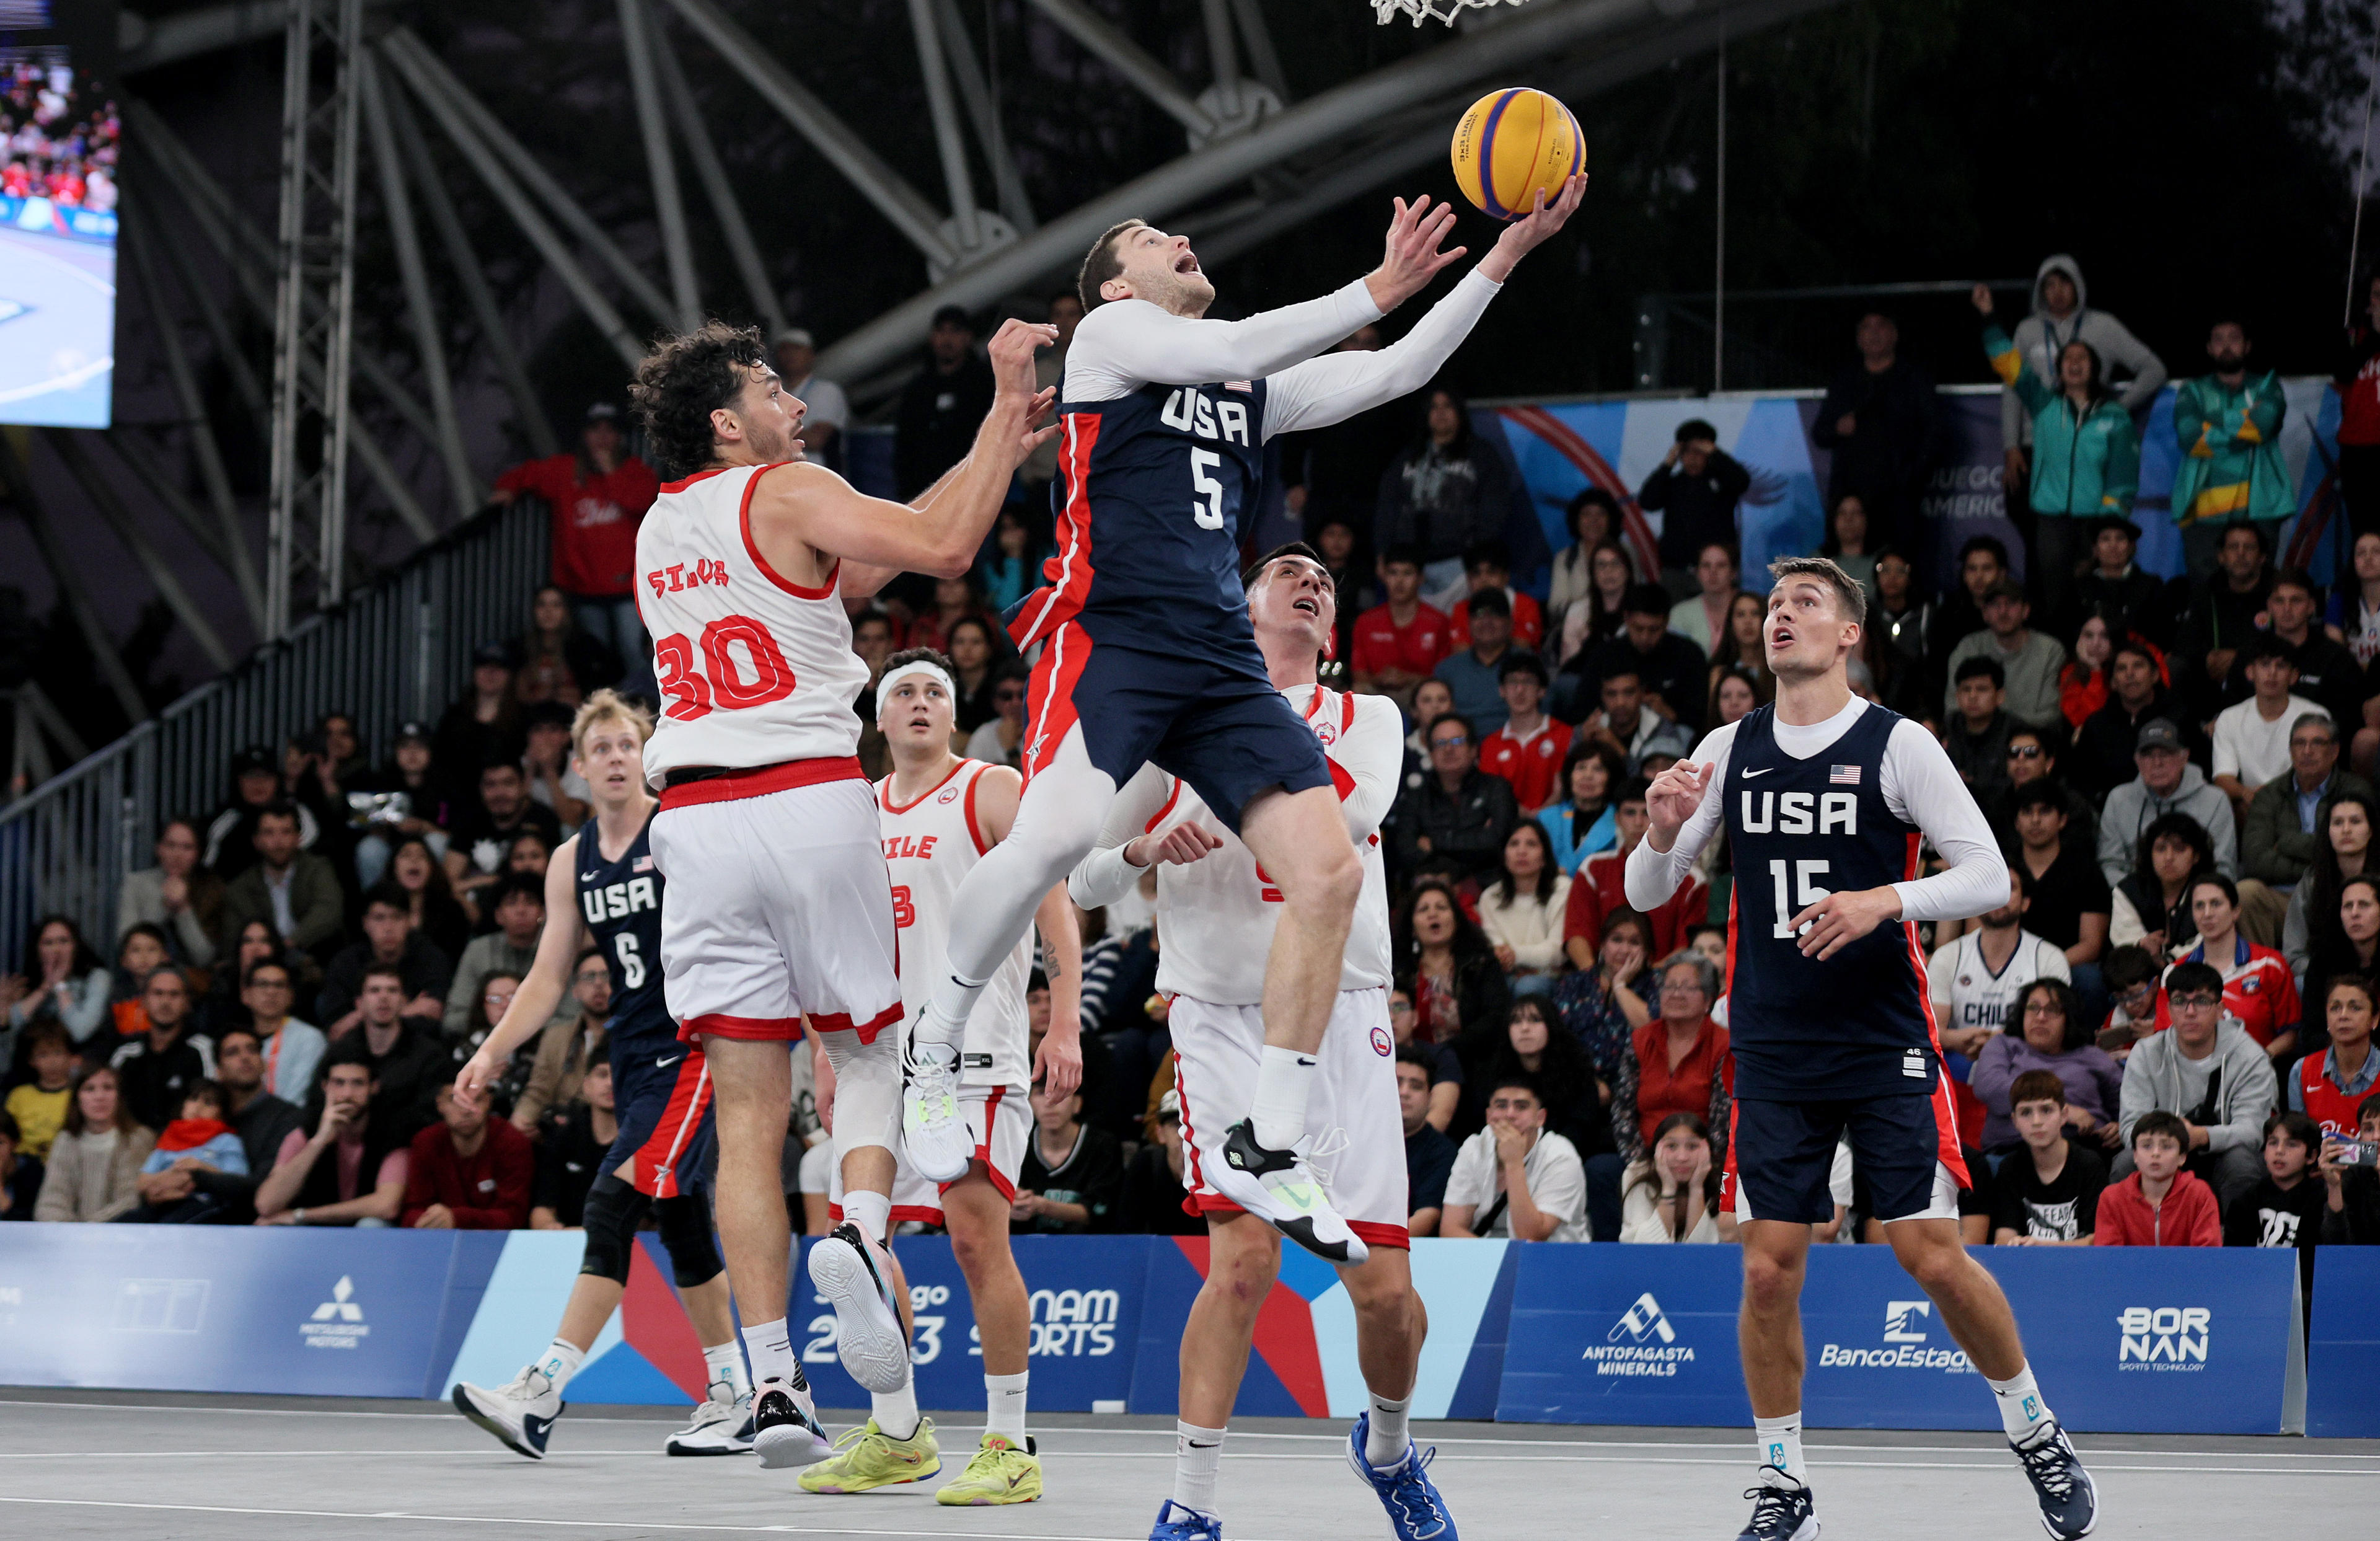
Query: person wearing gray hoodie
[
  {"x": 2168, "y": 783},
  {"x": 2063, "y": 315},
  {"x": 2206, "y": 1071}
]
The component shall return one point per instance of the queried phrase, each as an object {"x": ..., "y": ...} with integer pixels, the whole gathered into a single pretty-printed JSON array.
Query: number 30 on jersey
[{"x": 723, "y": 682}]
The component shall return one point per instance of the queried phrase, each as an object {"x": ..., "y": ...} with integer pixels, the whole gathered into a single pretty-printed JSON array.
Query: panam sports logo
[
  {"x": 339, "y": 1322},
  {"x": 1906, "y": 1329},
  {"x": 1641, "y": 1342},
  {"x": 2164, "y": 1338}
]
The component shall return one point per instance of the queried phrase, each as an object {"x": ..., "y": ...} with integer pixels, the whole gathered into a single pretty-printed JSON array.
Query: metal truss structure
[{"x": 1256, "y": 162}]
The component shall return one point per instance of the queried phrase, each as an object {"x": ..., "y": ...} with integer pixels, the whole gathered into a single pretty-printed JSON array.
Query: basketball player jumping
[
  {"x": 780, "y": 908},
  {"x": 602, "y": 883},
  {"x": 939, "y": 814},
  {"x": 1824, "y": 800},
  {"x": 1146, "y": 655},
  {"x": 1217, "y": 912}
]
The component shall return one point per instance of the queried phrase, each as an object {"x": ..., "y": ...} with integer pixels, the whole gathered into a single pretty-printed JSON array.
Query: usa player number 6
[{"x": 1805, "y": 872}]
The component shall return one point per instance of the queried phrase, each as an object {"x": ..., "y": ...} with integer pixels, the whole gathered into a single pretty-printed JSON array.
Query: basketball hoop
[{"x": 1444, "y": 10}]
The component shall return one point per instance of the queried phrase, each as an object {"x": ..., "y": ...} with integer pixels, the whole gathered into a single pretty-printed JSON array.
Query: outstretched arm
[{"x": 534, "y": 1002}]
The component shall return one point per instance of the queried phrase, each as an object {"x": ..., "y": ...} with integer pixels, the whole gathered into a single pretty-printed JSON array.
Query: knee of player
[
  {"x": 1769, "y": 1282},
  {"x": 1245, "y": 1266},
  {"x": 1378, "y": 1293},
  {"x": 1937, "y": 1266},
  {"x": 1326, "y": 881}
]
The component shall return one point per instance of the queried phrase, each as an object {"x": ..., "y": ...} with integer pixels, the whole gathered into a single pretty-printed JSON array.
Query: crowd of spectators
[{"x": 54, "y": 143}]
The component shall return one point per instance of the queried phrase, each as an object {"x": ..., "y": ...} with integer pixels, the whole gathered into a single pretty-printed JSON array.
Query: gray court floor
[{"x": 150, "y": 1464}]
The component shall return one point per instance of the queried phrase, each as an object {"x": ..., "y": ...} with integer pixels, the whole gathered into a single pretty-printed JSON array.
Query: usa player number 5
[
  {"x": 1806, "y": 874},
  {"x": 723, "y": 681},
  {"x": 1206, "y": 493}
]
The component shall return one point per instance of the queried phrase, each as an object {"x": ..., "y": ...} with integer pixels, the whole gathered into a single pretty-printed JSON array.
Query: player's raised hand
[
  {"x": 1412, "y": 258},
  {"x": 1527, "y": 234},
  {"x": 1181, "y": 845},
  {"x": 1011, "y": 350},
  {"x": 1672, "y": 799},
  {"x": 1839, "y": 919}
]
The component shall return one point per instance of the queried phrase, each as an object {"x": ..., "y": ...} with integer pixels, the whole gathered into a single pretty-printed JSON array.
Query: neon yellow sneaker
[
  {"x": 1000, "y": 1472},
  {"x": 868, "y": 1457}
]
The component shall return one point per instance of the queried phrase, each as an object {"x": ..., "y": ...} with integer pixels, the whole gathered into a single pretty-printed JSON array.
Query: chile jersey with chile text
[{"x": 1857, "y": 1025}]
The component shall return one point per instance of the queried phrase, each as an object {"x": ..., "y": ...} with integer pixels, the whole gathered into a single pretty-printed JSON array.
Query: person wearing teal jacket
[
  {"x": 2086, "y": 457},
  {"x": 2229, "y": 424}
]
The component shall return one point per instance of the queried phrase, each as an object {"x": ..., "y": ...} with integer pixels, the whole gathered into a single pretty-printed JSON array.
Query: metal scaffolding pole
[
  {"x": 1222, "y": 56},
  {"x": 741, "y": 247},
  {"x": 67, "y": 573},
  {"x": 1008, "y": 184},
  {"x": 149, "y": 468},
  {"x": 1261, "y": 57},
  {"x": 69, "y": 448},
  {"x": 948, "y": 142},
  {"x": 659, "y": 164},
  {"x": 1128, "y": 59}
]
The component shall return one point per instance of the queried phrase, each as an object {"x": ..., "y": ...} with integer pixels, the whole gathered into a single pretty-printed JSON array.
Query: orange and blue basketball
[{"x": 1511, "y": 144}]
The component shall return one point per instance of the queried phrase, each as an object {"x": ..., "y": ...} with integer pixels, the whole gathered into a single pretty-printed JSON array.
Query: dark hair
[
  {"x": 684, "y": 380},
  {"x": 2322, "y": 873},
  {"x": 248, "y": 977},
  {"x": 1980, "y": 667},
  {"x": 1468, "y": 940},
  {"x": 1101, "y": 263},
  {"x": 1695, "y": 428},
  {"x": 1490, "y": 601},
  {"x": 280, "y": 807},
  {"x": 2230, "y": 890},
  {"x": 8, "y": 1130},
  {"x": 2359, "y": 982},
  {"x": 2263, "y": 546},
  {"x": 123, "y": 1123},
  {"x": 934, "y": 656},
  {"x": 951, "y": 315},
  {"x": 44, "y": 1034},
  {"x": 2095, "y": 389},
  {"x": 1833, "y": 544},
  {"x": 1470, "y": 732},
  {"x": 1294, "y": 548},
  {"x": 144, "y": 929},
  {"x": 1615, "y": 768},
  {"x": 499, "y": 761},
  {"x": 1633, "y": 790},
  {"x": 2127, "y": 966},
  {"x": 209, "y": 1088},
  {"x": 1548, "y": 872},
  {"x": 1461, "y": 448},
  {"x": 1645, "y": 599},
  {"x": 1983, "y": 543},
  {"x": 2036, "y": 1085},
  {"x": 2173, "y": 825},
  {"x": 1650, "y": 1174},
  {"x": 870, "y": 615},
  {"x": 1522, "y": 662},
  {"x": 515, "y": 885},
  {"x": 1518, "y": 1080},
  {"x": 379, "y": 971},
  {"x": 1592, "y": 497},
  {"x": 1407, "y": 1054},
  {"x": 1488, "y": 552},
  {"x": 2295, "y": 578},
  {"x": 1598, "y": 619},
  {"x": 2079, "y": 1030},
  {"x": 993, "y": 640},
  {"x": 390, "y": 892},
  {"x": 2190, "y": 978},
  {"x": 1643, "y": 925},
  {"x": 1762, "y": 685},
  {"x": 2040, "y": 793},
  {"x": 239, "y": 1030},
  {"x": 2158, "y": 1121},
  {"x": 2298, "y": 1127},
  {"x": 1401, "y": 554}
]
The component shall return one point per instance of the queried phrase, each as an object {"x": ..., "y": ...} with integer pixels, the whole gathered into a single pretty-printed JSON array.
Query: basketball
[{"x": 1512, "y": 144}]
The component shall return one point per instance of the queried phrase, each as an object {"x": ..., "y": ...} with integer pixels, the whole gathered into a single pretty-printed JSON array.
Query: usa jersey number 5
[{"x": 1805, "y": 873}]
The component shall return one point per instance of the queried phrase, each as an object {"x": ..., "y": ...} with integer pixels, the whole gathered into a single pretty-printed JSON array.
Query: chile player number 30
[{"x": 723, "y": 682}]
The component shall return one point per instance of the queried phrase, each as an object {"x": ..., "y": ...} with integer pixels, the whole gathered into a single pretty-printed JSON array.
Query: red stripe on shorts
[
  {"x": 653, "y": 1167},
  {"x": 721, "y": 1024},
  {"x": 841, "y": 1021},
  {"x": 1051, "y": 699}
]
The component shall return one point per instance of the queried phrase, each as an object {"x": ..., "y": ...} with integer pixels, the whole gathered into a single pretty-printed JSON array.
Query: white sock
[
  {"x": 1198, "y": 1457},
  {"x": 943, "y": 1020},
  {"x": 1004, "y": 1406},
  {"x": 561, "y": 1361},
  {"x": 872, "y": 1212},
  {"x": 896, "y": 1412},
  {"x": 1780, "y": 1446},
  {"x": 1284, "y": 1080},
  {"x": 726, "y": 1363},
  {"x": 2023, "y": 1413},
  {"x": 1386, "y": 1441},
  {"x": 771, "y": 1348}
]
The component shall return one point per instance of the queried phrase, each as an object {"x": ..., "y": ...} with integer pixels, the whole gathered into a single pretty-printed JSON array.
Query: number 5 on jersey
[{"x": 1806, "y": 871}]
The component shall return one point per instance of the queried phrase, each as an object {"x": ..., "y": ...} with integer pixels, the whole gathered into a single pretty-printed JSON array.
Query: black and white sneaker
[
  {"x": 1280, "y": 1188},
  {"x": 520, "y": 1413},
  {"x": 2070, "y": 1500},
  {"x": 721, "y": 1425},
  {"x": 784, "y": 1424},
  {"x": 1780, "y": 1513},
  {"x": 868, "y": 1334}
]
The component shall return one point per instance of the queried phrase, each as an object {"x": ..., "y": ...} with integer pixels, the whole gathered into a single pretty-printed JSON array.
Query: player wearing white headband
[{"x": 939, "y": 814}]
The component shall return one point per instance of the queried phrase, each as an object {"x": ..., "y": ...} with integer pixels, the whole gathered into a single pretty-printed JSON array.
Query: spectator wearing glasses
[
  {"x": 2259, "y": 993},
  {"x": 390, "y": 938},
  {"x": 2287, "y": 826},
  {"x": 569, "y": 1049},
  {"x": 1515, "y": 1178},
  {"x": 2054, "y": 1038},
  {"x": 2032, "y": 756},
  {"x": 291, "y": 1050},
  {"x": 1001, "y": 741},
  {"x": 2206, "y": 1074},
  {"x": 1680, "y": 1063},
  {"x": 1672, "y": 1192},
  {"x": 2048, "y": 1191},
  {"x": 1429, "y": 1155},
  {"x": 1445, "y": 1066},
  {"x": 2167, "y": 783},
  {"x": 1458, "y": 816}
]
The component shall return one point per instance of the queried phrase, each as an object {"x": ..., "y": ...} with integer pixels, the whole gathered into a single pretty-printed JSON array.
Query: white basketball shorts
[{"x": 1001, "y": 1119}]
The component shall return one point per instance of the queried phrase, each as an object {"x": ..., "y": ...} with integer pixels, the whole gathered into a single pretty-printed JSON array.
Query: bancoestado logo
[
  {"x": 1905, "y": 1345},
  {"x": 2164, "y": 1338},
  {"x": 339, "y": 1322},
  {"x": 1650, "y": 1345}
]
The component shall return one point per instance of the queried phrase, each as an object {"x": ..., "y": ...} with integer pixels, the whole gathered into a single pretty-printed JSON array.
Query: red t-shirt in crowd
[
  {"x": 485, "y": 1192},
  {"x": 2359, "y": 395},
  {"x": 2258, "y": 989},
  {"x": 595, "y": 520},
  {"x": 1532, "y": 764},
  {"x": 1601, "y": 887},
  {"x": 2187, "y": 1218},
  {"x": 1661, "y": 1091},
  {"x": 1414, "y": 647},
  {"x": 1528, "y": 622}
]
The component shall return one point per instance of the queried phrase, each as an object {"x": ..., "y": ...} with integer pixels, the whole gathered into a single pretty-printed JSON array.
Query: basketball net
[{"x": 1444, "y": 10}]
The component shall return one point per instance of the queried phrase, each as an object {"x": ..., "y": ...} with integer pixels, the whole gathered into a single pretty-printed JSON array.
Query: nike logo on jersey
[
  {"x": 664, "y": 1064},
  {"x": 1762, "y": 772}
]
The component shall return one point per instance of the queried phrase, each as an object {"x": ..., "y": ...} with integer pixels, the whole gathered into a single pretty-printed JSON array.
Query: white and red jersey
[
  {"x": 1215, "y": 917},
  {"x": 754, "y": 670},
  {"x": 930, "y": 845}
]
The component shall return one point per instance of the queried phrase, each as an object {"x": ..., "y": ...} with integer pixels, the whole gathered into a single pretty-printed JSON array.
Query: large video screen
[{"x": 60, "y": 136}]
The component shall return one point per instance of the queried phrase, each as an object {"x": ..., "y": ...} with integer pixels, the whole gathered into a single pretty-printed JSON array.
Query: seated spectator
[
  {"x": 1850, "y": 543},
  {"x": 1975, "y": 735},
  {"x": 2030, "y": 661},
  {"x": 1734, "y": 693},
  {"x": 2150, "y": 905},
  {"x": 2105, "y": 747},
  {"x": 2069, "y": 904},
  {"x": 177, "y": 895},
  {"x": 1527, "y": 750},
  {"x": 140, "y": 952},
  {"x": 1671, "y": 1194},
  {"x": 1152, "y": 1200},
  {"x": 567, "y": 1050},
  {"x": 1741, "y": 653},
  {"x": 1072, "y": 1173},
  {"x": 1680, "y": 1062},
  {"x": 1458, "y": 816},
  {"x": 2209, "y": 1074},
  {"x": 2252, "y": 740},
  {"x": 1400, "y": 641},
  {"x": 468, "y": 1171},
  {"x": 231, "y": 835},
  {"x": 2355, "y": 947},
  {"x": 2032, "y": 756},
  {"x": 478, "y": 852},
  {"x": 572, "y": 1154},
  {"x": 2154, "y": 1201},
  {"x": 2351, "y": 1195},
  {"x": 72, "y": 991},
  {"x": 2133, "y": 979},
  {"x": 2134, "y": 602},
  {"x": 362, "y": 1181},
  {"x": 404, "y": 1055},
  {"x": 1444, "y": 1065},
  {"x": 1600, "y": 889},
  {"x": 1629, "y": 726},
  {"x": 1672, "y": 673},
  {"x": 2328, "y": 1083},
  {"x": 263, "y": 1122},
  {"x": 2340, "y": 848},
  {"x": 1894, "y": 646},
  {"x": 1701, "y": 617},
  {"x": 2047, "y": 1193},
  {"x": 2083, "y": 684},
  {"x": 1522, "y": 911},
  {"x": 483, "y": 727},
  {"x": 562, "y": 661},
  {"x": 1591, "y": 518},
  {"x": 2226, "y": 609},
  {"x": 1001, "y": 741},
  {"x": 295, "y": 891},
  {"x": 1533, "y": 1044},
  {"x": 2285, "y": 823},
  {"x": 505, "y": 1086},
  {"x": 1973, "y": 981},
  {"x": 437, "y": 913},
  {"x": 40, "y": 1105},
  {"x": 1473, "y": 671},
  {"x": 1488, "y": 565},
  {"x": 412, "y": 806},
  {"x": 157, "y": 1069},
  {"x": 2167, "y": 783},
  {"x": 2284, "y": 1209},
  {"x": 2055, "y": 1039},
  {"x": 545, "y": 764},
  {"x": 1958, "y": 615},
  {"x": 94, "y": 1172},
  {"x": 2259, "y": 993},
  {"x": 291, "y": 1050},
  {"x": 1597, "y": 615},
  {"x": 20, "y": 1175},
  {"x": 976, "y": 649},
  {"x": 390, "y": 937},
  {"x": 1460, "y": 994},
  {"x": 518, "y": 905},
  {"x": 2328, "y": 674},
  {"x": 1429, "y": 1155},
  {"x": 1584, "y": 822},
  {"x": 199, "y": 1141},
  {"x": 1604, "y": 1004},
  {"x": 1515, "y": 1178}
]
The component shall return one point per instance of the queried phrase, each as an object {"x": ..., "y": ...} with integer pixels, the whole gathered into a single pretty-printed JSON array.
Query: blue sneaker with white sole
[
  {"x": 1415, "y": 1511},
  {"x": 2070, "y": 1500},
  {"x": 1175, "y": 1522}
]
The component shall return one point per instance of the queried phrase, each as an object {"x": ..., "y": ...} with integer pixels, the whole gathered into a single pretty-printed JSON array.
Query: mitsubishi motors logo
[
  {"x": 1641, "y": 1342},
  {"x": 339, "y": 1322}
]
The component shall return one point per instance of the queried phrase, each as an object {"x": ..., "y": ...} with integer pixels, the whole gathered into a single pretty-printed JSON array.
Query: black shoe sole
[{"x": 1302, "y": 1233}]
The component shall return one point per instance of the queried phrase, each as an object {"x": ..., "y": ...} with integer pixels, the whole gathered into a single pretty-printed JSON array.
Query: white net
[{"x": 1422, "y": 10}]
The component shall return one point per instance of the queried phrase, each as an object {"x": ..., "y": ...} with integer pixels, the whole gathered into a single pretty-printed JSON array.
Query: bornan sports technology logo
[
  {"x": 1641, "y": 1342},
  {"x": 339, "y": 1322},
  {"x": 1906, "y": 1330},
  {"x": 2164, "y": 1338}
]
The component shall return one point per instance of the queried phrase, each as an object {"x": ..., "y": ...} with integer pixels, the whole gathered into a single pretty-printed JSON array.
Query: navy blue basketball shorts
[
  {"x": 1904, "y": 1152},
  {"x": 667, "y": 1128}
]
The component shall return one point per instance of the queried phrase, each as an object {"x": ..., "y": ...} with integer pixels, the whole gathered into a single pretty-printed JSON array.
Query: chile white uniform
[
  {"x": 778, "y": 907},
  {"x": 930, "y": 845},
  {"x": 1216, "y": 917}
]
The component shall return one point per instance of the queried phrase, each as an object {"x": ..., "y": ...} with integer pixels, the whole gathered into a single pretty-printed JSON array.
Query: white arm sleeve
[
  {"x": 1652, "y": 876},
  {"x": 1921, "y": 787},
  {"x": 1126, "y": 344},
  {"x": 1338, "y": 385},
  {"x": 1373, "y": 751},
  {"x": 1104, "y": 876}
]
